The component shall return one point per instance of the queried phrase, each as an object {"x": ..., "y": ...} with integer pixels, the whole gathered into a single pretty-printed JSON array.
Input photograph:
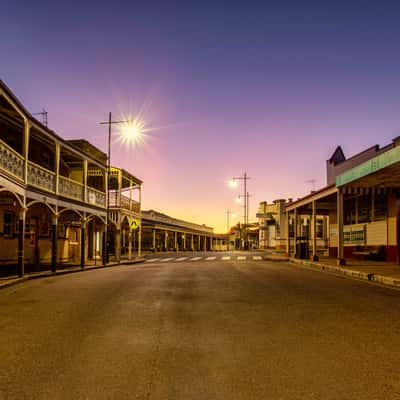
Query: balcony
[
  {"x": 41, "y": 177},
  {"x": 11, "y": 161},
  {"x": 123, "y": 202},
  {"x": 70, "y": 188},
  {"x": 96, "y": 197}
]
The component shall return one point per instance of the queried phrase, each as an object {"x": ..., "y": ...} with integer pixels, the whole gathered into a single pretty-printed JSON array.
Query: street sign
[{"x": 134, "y": 223}]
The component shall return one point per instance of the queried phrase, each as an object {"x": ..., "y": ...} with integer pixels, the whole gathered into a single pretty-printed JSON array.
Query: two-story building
[
  {"x": 272, "y": 224},
  {"x": 53, "y": 193}
]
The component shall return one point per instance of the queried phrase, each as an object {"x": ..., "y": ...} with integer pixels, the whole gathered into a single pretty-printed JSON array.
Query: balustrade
[
  {"x": 124, "y": 202},
  {"x": 96, "y": 197},
  {"x": 41, "y": 177},
  {"x": 69, "y": 188},
  {"x": 11, "y": 161}
]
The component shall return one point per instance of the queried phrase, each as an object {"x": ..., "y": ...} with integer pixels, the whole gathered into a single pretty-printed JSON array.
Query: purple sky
[{"x": 270, "y": 89}]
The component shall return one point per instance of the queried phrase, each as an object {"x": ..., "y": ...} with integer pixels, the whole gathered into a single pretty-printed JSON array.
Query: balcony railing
[
  {"x": 96, "y": 197},
  {"x": 11, "y": 161},
  {"x": 41, "y": 177},
  {"x": 123, "y": 202},
  {"x": 14, "y": 164},
  {"x": 70, "y": 188}
]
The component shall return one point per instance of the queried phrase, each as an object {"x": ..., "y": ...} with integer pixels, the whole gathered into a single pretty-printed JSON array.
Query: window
[
  {"x": 349, "y": 206},
  {"x": 9, "y": 218},
  {"x": 364, "y": 209},
  {"x": 277, "y": 230},
  {"x": 380, "y": 207},
  {"x": 319, "y": 229},
  {"x": 305, "y": 228}
]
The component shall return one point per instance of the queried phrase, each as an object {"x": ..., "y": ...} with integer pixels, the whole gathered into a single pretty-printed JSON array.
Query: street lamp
[{"x": 130, "y": 133}]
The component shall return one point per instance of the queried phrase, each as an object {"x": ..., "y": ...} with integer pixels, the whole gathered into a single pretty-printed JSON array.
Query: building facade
[
  {"x": 53, "y": 193},
  {"x": 160, "y": 232},
  {"x": 272, "y": 223},
  {"x": 359, "y": 207}
]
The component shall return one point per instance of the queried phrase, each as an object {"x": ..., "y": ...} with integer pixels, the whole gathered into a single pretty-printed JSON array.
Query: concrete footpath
[
  {"x": 13, "y": 280},
  {"x": 376, "y": 272}
]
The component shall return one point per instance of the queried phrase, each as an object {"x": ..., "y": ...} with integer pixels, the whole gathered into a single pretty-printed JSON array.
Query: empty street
[{"x": 200, "y": 327}]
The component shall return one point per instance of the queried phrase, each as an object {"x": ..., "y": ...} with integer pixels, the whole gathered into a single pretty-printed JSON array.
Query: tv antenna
[
  {"x": 312, "y": 181},
  {"x": 43, "y": 114}
]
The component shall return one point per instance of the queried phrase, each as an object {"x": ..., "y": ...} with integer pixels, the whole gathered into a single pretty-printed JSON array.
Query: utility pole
[
  {"x": 244, "y": 178},
  {"x": 110, "y": 122}
]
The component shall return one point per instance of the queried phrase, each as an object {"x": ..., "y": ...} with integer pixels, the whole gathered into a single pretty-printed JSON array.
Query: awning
[{"x": 380, "y": 171}]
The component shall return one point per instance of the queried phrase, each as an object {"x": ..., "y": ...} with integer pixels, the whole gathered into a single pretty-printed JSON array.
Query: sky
[{"x": 267, "y": 88}]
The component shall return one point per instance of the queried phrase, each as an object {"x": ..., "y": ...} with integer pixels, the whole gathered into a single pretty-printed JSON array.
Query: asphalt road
[{"x": 218, "y": 329}]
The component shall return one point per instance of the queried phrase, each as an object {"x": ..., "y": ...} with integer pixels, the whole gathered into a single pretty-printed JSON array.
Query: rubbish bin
[{"x": 302, "y": 249}]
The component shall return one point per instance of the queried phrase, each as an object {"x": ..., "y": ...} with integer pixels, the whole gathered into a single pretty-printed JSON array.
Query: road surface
[{"x": 200, "y": 329}]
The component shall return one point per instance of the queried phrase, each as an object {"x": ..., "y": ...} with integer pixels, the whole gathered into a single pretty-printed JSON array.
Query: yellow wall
[
  {"x": 76, "y": 175},
  {"x": 392, "y": 231}
]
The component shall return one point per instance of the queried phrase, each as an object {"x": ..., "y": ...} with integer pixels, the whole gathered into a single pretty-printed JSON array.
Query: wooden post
[
  {"x": 340, "y": 235},
  {"x": 21, "y": 242},
  {"x": 54, "y": 244},
  {"x": 314, "y": 230}
]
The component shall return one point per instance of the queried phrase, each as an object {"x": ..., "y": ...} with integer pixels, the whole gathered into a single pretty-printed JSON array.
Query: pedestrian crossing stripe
[{"x": 210, "y": 258}]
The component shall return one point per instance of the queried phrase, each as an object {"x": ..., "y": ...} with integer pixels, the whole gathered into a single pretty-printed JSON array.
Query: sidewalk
[
  {"x": 14, "y": 279},
  {"x": 374, "y": 271}
]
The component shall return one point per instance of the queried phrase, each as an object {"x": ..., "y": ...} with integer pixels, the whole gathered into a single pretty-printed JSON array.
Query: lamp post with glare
[{"x": 132, "y": 131}]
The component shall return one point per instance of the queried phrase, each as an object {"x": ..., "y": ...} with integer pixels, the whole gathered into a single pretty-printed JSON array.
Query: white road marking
[
  {"x": 257, "y": 258},
  {"x": 211, "y": 258},
  {"x": 166, "y": 259},
  {"x": 153, "y": 259},
  {"x": 241, "y": 258},
  {"x": 181, "y": 259},
  {"x": 225, "y": 258},
  {"x": 196, "y": 258}
]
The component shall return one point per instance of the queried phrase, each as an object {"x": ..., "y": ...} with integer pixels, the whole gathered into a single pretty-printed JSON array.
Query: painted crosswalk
[{"x": 206, "y": 258}]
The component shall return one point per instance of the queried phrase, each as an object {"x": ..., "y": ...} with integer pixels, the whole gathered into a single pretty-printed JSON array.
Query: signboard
[
  {"x": 375, "y": 164},
  {"x": 134, "y": 223}
]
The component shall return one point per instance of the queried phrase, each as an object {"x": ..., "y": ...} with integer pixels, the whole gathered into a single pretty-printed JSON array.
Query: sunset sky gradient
[{"x": 270, "y": 88}]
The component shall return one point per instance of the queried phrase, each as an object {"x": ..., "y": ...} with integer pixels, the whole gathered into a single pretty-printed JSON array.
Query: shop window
[
  {"x": 349, "y": 209},
  {"x": 380, "y": 207},
  {"x": 319, "y": 229},
  {"x": 305, "y": 228},
  {"x": 291, "y": 228},
  {"x": 364, "y": 209},
  {"x": 8, "y": 221}
]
